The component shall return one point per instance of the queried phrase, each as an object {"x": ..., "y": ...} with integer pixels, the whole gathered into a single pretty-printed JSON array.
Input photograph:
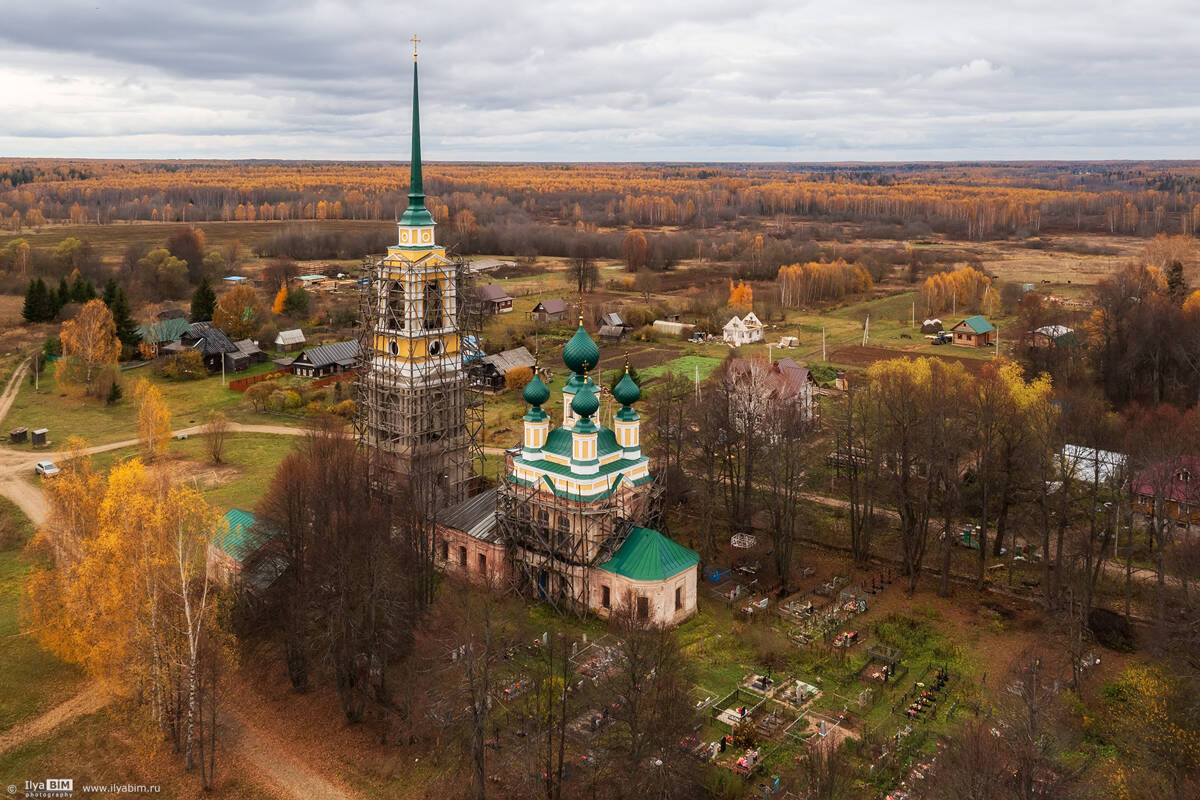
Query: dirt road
[
  {"x": 266, "y": 760},
  {"x": 88, "y": 701}
]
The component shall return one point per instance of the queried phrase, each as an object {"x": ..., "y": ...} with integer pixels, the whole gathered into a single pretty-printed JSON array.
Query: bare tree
[{"x": 216, "y": 435}]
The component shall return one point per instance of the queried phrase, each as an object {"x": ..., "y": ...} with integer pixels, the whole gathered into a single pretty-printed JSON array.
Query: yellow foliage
[
  {"x": 280, "y": 299},
  {"x": 1191, "y": 306},
  {"x": 154, "y": 419},
  {"x": 741, "y": 295},
  {"x": 961, "y": 290},
  {"x": 89, "y": 343},
  {"x": 802, "y": 284}
]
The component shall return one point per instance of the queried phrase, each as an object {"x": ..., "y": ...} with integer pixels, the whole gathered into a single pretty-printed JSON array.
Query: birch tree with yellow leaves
[
  {"x": 90, "y": 346},
  {"x": 130, "y": 600},
  {"x": 154, "y": 419}
]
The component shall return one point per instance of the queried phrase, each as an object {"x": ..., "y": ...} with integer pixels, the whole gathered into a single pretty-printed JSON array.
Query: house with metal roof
[
  {"x": 328, "y": 359},
  {"x": 240, "y": 553},
  {"x": 163, "y": 331},
  {"x": 974, "y": 332},
  {"x": 217, "y": 350},
  {"x": 287, "y": 340}
]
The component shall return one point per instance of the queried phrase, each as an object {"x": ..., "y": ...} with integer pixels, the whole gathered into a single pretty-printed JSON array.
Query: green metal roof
[
  {"x": 580, "y": 353},
  {"x": 647, "y": 555},
  {"x": 233, "y": 534},
  {"x": 977, "y": 324},
  {"x": 164, "y": 330},
  {"x": 558, "y": 441}
]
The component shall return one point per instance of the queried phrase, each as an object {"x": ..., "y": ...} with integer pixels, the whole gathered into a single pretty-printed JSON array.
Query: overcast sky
[{"x": 656, "y": 80}]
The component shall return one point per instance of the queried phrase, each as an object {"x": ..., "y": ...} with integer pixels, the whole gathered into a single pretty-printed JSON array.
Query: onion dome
[
  {"x": 585, "y": 403},
  {"x": 581, "y": 353},
  {"x": 536, "y": 392},
  {"x": 626, "y": 391}
]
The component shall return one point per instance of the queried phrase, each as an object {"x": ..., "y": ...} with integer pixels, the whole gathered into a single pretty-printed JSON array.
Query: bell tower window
[
  {"x": 396, "y": 311},
  {"x": 434, "y": 312}
]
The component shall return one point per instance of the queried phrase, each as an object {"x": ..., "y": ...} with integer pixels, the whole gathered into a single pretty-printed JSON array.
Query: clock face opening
[
  {"x": 393, "y": 347},
  {"x": 435, "y": 348}
]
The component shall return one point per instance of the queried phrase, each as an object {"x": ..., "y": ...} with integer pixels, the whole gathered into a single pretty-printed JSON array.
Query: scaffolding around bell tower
[{"x": 419, "y": 415}]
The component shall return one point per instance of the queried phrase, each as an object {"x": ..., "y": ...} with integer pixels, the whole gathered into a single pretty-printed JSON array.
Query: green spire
[{"x": 416, "y": 213}]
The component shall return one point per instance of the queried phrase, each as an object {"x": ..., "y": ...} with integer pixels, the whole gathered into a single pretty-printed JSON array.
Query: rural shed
[
  {"x": 974, "y": 332},
  {"x": 614, "y": 319},
  {"x": 286, "y": 340},
  {"x": 488, "y": 372},
  {"x": 612, "y": 333},
  {"x": 328, "y": 359},
  {"x": 551, "y": 310}
]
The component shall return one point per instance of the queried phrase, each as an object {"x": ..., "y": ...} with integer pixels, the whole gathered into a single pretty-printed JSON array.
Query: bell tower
[{"x": 414, "y": 403}]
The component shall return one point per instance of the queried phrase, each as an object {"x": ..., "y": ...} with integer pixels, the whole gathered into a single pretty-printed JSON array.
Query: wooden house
[
  {"x": 328, "y": 359},
  {"x": 494, "y": 299},
  {"x": 974, "y": 332},
  {"x": 552, "y": 310}
]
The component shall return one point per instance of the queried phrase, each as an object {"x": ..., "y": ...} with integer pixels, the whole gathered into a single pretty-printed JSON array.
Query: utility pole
[
  {"x": 866, "y": 330},
  {"x": 823, "y": 358}
]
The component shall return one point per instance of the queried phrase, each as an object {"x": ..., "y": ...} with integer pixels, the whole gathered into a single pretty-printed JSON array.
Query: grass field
[
  {"x": 31, "y": 680},
  {"x": 67, "y": 414},
  {"x": 248, "y": 466}
]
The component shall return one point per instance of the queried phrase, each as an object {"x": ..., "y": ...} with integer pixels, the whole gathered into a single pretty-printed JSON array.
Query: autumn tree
[
  {"x": 517, "y": 377},
  {"x": 280, "y": 300},
  {"x": 90, "y": 346},
  {"x": 239, "y": 312},
  {"x": 154, "y": 419},
  {"x": 634, "y": 250},
  {"x": 128, "y": 598},
  {"x": 582, "y": 268},
  {"x": 741, "y": 295},
  {"x": 188, "y": 245}
]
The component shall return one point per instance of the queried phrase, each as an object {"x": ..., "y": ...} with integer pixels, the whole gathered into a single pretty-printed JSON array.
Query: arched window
[
  {"x": 396, "y": 311},
  {"x": 434, "y": 312}
]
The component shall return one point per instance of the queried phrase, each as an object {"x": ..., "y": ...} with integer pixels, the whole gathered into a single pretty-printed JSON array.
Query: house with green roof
[
  {"x": 974, "y": 332},
  {"x": 237, "y": 553}
]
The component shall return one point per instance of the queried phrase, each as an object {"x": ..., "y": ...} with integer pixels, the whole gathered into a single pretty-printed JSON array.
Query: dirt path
[
  {"x": 266, "y": 760},
  {"x": 88, "y": 701},
  {"x": 14, "y": 385}
]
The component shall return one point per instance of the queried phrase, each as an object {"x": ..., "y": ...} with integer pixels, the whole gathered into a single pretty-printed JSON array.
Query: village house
[
  {"x": 494, "y": 299},
  {"x": 489, "y": 372},
  {"x": 162, "y": 332},
  {"x": 552, "y": 310},
  {"x": 1049, "y": 336},
  {"x": 974, "y": 332},
  {"x": 746, "y": 330},
  {"x": 1170, "y": 490},
  {"x": 217, "y": 350},
  {"x": 782, "y": 383},
  {"x": 328, "y": 359},
  {"x": 240, "y": 554}
]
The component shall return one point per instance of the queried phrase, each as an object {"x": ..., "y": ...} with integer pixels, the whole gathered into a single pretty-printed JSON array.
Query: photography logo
[{"x": 51, "y": 787}]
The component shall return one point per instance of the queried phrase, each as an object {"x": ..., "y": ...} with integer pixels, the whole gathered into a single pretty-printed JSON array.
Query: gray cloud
[{"x": 701, "y": 80}]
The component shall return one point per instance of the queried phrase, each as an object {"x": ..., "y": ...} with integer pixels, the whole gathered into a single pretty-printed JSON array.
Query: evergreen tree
[
  {"x": 37, "y": 302},
  {"x": 204, "y": 302},
  {"x": 82, "y": 290},
  {"x": 110, "y": 292},
  {"x": 126, "y": 327},
  {"x": 62, "y": 296}
]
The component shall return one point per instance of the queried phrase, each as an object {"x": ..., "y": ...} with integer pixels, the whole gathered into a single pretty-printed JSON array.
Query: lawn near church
[{"x": 68, "y": 414}]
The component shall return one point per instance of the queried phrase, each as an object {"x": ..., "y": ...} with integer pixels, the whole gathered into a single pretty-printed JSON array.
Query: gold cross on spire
[{"x": 415, "y": 41}]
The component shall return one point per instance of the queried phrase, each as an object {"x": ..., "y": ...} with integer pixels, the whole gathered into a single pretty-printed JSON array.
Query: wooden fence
[{"x": 242, "y": 384}]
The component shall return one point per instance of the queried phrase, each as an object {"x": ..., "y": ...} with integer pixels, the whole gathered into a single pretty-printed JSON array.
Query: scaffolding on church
[
  {"x": 419, "y": 420},
  {"x": 552, "y": 542}
]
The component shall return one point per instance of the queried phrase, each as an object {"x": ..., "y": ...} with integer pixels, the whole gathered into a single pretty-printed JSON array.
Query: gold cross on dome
[{"x": 415, "y": 41}]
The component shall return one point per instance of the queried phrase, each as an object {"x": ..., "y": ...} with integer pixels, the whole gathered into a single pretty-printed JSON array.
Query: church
[{"x": 573, "y": 521}]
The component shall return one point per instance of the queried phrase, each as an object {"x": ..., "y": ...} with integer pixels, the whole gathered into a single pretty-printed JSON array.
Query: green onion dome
[
  {"x": 536, "y": 392},
  {"x": 585, "y": 403},
  {"x": 626, "y": 391},
  {"x": 581, "y": 353}
]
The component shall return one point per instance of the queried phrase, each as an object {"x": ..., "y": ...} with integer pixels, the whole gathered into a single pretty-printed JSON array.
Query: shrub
[
  {"x": 345, "y": 409},
  {"x": 292, "y": 400},
  {"x": 187, "y": 366},
  {"x": 517, "y": 378}
]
